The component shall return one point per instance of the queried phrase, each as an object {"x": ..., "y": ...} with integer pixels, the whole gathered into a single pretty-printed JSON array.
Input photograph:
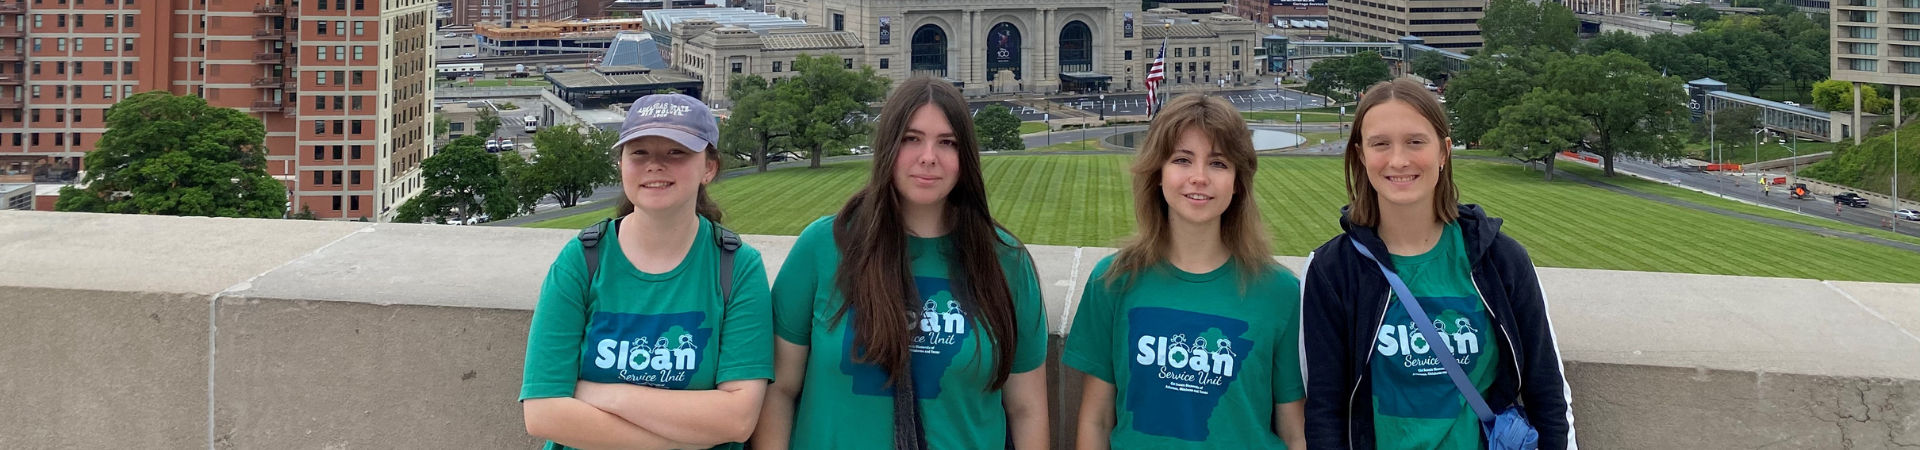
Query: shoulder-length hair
[
  {"x": 1240, "y": 226},
  {"x": 1363, "y": 204},
  {"x": 873, "y": 273}
]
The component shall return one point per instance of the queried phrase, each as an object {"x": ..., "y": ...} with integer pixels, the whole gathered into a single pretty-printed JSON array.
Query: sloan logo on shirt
[
  {"x": 943, "y": 327},
  {"x": 658, "y": 350},
  {"x": 1409, "y": 380},
  {"x": 1183, "y": 362}
]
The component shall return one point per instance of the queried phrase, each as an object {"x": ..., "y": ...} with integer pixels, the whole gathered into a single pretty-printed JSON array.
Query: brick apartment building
[{"x": 343, "y": 86}]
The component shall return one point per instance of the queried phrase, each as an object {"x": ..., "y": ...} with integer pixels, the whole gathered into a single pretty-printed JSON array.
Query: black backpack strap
[
  {"x": 590, "y": 245},
  {"x": 728, "y": 242}
]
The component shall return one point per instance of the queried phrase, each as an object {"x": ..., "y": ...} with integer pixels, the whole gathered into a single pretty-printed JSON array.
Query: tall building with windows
[
  {"x": 1875, "y": 42},
  {"x": 341, "y": 85},
  {"x": 1448, "y": 24}
]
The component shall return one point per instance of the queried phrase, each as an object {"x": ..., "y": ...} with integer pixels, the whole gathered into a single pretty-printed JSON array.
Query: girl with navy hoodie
[{"x": 1373, "y": 380}]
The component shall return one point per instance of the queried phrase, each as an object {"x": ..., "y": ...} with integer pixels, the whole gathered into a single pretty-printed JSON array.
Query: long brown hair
[
  {"x": 871, "y": 235},
  {"x": 702, "y": 204},
  {"x": 1240, "y": 226},
  {"x": 1363, "y": 207}
]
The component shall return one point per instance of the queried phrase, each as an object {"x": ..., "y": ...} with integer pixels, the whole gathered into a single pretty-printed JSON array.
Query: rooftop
[{"x": 758, "y": 22}]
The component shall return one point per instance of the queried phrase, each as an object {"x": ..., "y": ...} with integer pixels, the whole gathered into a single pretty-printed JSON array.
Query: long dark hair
[
  {"x": 871, "y": 235},
  {"x": 702, "y": 205}
]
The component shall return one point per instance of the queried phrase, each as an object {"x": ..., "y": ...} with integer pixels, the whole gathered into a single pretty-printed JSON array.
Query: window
[
  {"x": 336, "y": 152},
  {"x": 1206, "y": 51},
  {"x": 839, "y": 22},
  {"x": 36, "y": 67},
  {"x": 36, "y": 21},
  {"x": 356, "y": 127},
  {"x": 323, "y": 5},
  {"x": 319, "y": 154},
  {"x": 77, "y": 91},
  {"x": 1207, "y": 66},
  {"x": 60, "y": 67},
  {"x": 106, "y": 92},
  {"x": 320, "y": 77},
  {"x": 339, "y": 76},
  {"x": 736, "y": 67},
  {"x": 59, "y": 92},
  {"x": 356, "y": 103},
  {"x": 126, "y": 90},
  {"x": 59, "y": 139},
  {"x": 1190, "y": 52},
  {"x": 60, "y": 20},
  {"x": 1128, "y": 55},
  {"x": 79, "y": 20},
  {"x": 319, "y": 127},
  {"x": 1176, "y": 52},
  {"x": 59, "y": 116},
  {"x": 356, "y": 155},
  {"x": 126, "y": 44},
  {"x": 1236, "y": 50},
  {"x": 339, "y": 102},
  {"x": 847, "y": 62},
  {"x": 359, "y": 5},
  {"x": 357, "y": 53},
  {"x": 354, "y": 178},
  {"x": 336, "y": 177},
  {"x": 127, "y": 19},
  {"x": 313, "y": 178},
  {"x": 340, "y": 52},
  {"x": 77, "y": 68},
  {"x": 60, "y": 45},
  {"x": 359, "y": 28},
  {"x": 321, "y": 54},
  {"x": 109, "y": 18},
  {"x": 336, "y": 203},
  {"x": 883, "y": 63},
  {"x": 106, "y": 67},
  {"x": 36, "y": 115},
  {"x": 339, "y": 127},
  {"x": 110, "y": 45},
  {"x": 126, "y": 67},
  {"x": 355, "y": 199},
  {"x": 321, "y": 26},
  {"x": 356, "y": 78},
  {"x": 776, "y": 66},
  {"x": 36, "y": 139},
  {"x": 1236, "y": 65}
]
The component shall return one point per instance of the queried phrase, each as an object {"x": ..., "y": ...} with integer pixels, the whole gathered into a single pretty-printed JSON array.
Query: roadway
[{"x": 1746, "y": 189}]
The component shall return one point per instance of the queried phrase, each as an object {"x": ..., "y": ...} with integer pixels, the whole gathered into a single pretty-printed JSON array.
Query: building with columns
[{"x": 984, "y": 47}]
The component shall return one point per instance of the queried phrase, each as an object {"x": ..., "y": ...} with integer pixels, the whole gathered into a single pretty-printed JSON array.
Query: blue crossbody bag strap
[{"x": 1434, "y": 340}]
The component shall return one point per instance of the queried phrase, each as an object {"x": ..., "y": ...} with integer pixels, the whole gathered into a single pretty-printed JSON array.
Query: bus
[
  {"x": 532, "y": 123},
  {"x": 455, "y": 71}
]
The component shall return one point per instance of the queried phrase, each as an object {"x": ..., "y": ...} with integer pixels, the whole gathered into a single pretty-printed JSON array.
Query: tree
[
  {"x": 1616, "y": 40},
  {"x": 441, "y": 125},
  {"x": 1344, "y": 78},
  {"x": 998, "y": 128},
  {"x": 1510, "y": 24},
  {"x": 488, "y": 123},
  {"x": 1633, "y": 110},
  {"x": 1538, "y": 128},
  {"x": 1749, "y": 56},
  {"x": 568, "y": 167},
  {"x": 1476, "y": 95},
  {"x": 751, "y": 128},
  {"x": 522, "y": 186},
  {"x": 1836, "y": 95},
  {"x": 1696, "y": 13},
  {"x": 1734, "y": 126},
  {"x": 1431, "y": 65},
  {"x": 460, "y": 178},
  {"x": 1656, "y": 9},
  {"x": 175, "y": 155},
  {"x": 826, "y": 104}
]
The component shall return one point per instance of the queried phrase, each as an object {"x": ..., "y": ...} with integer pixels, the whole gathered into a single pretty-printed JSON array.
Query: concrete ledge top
[{"x": 1769, "y": 325}]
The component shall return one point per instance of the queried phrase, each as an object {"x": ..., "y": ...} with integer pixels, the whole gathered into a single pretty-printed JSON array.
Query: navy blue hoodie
[{"x": 1344, "y": 298}]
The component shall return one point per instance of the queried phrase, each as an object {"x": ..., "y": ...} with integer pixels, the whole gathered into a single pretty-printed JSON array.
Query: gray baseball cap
[{"x": 678, "y": 117}]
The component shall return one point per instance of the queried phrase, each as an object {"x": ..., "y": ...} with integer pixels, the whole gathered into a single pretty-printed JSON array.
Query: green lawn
[
  {"x": 1032, "y": 127},
  {"x": 1287, "y": 116},
  {"x": 1063, "y": 145},
  {"x": 1084, "y": 201},
  {"x": 1665, "y": 190}
]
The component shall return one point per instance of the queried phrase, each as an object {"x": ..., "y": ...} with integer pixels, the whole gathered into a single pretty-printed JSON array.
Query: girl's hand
[{"x": 600, "y": 395}]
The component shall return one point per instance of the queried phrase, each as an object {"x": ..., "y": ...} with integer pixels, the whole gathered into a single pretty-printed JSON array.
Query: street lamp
[{"x": 1794, "y": 171}]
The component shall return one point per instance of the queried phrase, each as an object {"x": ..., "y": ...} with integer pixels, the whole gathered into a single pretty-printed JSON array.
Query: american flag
[{"x": 1156, "y": 74}]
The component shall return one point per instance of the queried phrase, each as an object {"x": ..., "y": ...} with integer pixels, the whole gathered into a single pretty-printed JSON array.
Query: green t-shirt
[
  {"x": 1415, "y": 405},
  {"x": 670, "y": 330},
  {"x": 1196, "y": 361},
  {"x": 845, "y": 405}
]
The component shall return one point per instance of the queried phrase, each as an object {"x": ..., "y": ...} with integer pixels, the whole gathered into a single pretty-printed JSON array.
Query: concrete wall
[{"x": 164, "y": 332}]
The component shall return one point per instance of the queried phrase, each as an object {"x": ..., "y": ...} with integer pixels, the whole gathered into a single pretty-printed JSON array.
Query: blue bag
[{"x": 1508, "y": 430}]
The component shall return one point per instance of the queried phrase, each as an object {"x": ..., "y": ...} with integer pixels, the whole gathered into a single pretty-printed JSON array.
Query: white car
[
  {"x": 467, "y": 56},
  {"x": 452, "y": 35},
  {"x": 493, "y": 145},
  {"x": 1907, "y": 214}
]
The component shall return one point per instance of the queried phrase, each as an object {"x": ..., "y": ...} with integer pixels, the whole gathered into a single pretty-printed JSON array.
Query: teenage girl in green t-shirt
[
  {"x": 1188, "y": 335},
  {"x": 643, "y": 351},
  {"x": 911, "y": 285}
]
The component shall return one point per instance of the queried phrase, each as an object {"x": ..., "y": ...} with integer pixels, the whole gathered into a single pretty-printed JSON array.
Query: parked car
[
  {"x": 506, "y": 145},
  {"x": 467, "y": 56},
  {"x": 1907, "y": 214},
  {"x": 493, "y": 145},
  {"x": 452, "y": 35},
  {"x": 861, "y": 150},
  {"x": 1851, "y": 199}
]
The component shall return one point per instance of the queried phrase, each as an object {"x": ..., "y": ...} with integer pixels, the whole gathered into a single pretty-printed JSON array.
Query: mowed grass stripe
[{"x": 1086, "y": 200}]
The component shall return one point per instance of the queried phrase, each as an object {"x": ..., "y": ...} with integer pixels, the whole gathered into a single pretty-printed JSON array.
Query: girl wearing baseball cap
[{"x": 654, "y": 327}]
